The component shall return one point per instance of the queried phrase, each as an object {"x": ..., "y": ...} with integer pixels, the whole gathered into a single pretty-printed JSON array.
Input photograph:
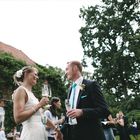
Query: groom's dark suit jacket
[{"x": 94, "y": 107}]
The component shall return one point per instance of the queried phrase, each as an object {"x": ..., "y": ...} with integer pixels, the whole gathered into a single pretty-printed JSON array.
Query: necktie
[
  {"x": 73, "y": 121},
  {"x": 73, "y": 90}
]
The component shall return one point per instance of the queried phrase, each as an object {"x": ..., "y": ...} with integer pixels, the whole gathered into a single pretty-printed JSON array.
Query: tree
[
  {"x": 8, "y": 66},
  {"x": 111, "y": 39}
]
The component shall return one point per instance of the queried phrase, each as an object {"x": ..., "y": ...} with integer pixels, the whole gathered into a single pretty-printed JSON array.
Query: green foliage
[
  {"x": 9, "y": 120},
  {"x": 8, "y": 66},
  {"x": 111, "y": 39}
]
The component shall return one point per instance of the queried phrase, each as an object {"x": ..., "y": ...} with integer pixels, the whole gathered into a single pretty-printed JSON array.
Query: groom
[{"x": 87, "y": 106}]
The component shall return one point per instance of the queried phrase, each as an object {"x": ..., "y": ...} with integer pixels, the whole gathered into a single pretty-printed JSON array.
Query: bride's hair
[{"x": 19, "y": 75}]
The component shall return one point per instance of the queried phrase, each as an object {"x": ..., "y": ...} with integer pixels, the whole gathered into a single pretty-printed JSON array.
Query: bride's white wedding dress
[{"x": 33, "y": 128}]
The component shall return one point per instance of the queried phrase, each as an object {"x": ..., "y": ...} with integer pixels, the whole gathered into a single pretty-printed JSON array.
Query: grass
[{"x": 132, "y": 138}]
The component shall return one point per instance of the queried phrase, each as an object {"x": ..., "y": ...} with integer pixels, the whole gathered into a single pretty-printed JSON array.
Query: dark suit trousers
[{"x": 85, "y": 133}]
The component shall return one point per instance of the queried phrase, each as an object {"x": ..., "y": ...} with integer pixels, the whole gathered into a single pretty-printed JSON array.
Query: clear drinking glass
[
  {"x": 67, "y": 104},
  {"x": 45, "y": 91},
  {"x": 68, "y": 107}
]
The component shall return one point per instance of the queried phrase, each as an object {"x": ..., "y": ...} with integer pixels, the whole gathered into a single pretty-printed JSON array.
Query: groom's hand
[{"x": 75, "y": 113}]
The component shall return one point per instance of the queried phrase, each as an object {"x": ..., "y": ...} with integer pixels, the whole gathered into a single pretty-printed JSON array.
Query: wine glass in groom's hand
[
  {"x": 67, "y": 104},
  {"x": 72, "y": 121}
]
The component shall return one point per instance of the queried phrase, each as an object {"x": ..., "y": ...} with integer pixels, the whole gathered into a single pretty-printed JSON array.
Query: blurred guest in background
[
  {"x": 134, "y": 129},
  {"x": 53, "y": 115},
  {"x": 122, "y": 123}
]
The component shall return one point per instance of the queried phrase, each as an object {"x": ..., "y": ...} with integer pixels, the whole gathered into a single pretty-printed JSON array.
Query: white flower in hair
[{"x": 19, "y": 73}]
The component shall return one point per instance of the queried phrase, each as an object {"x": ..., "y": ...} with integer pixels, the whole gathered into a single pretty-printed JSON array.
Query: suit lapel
[
  {"x": 81, "y": 92},
  {"x": 69, "y": 92}
]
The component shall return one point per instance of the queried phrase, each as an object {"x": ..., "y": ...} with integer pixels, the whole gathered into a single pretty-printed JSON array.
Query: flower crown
[{"x": 19, "y": 73}]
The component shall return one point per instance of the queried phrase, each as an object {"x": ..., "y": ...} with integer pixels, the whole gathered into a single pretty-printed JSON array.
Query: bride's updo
[{"x": 19, "y": 75}]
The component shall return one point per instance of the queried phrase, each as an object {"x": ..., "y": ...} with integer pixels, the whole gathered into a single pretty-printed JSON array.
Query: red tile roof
[{"x": 18, "y": 54}]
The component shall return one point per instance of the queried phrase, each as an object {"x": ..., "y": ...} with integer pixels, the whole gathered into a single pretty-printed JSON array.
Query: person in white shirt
[
  {"x": 2, "y": 135},
  {"x": 52, "y": 114},
  {"x": 2, "y": 117},
  {"x": 134, "y": 128},
  {"x": 2, "y": 113}
]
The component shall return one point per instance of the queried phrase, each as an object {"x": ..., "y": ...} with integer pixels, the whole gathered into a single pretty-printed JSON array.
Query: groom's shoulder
[{"x": 87, "y": 81}]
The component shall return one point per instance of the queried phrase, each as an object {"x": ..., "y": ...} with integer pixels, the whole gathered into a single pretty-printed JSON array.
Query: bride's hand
[{"x": 44, "y": 101}]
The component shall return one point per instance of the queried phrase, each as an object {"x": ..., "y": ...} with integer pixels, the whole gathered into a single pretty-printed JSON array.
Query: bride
[{"x": 27, "y": 108}]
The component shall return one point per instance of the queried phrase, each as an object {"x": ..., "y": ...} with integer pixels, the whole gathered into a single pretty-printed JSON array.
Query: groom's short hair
[{"x": 76, "y": 63}]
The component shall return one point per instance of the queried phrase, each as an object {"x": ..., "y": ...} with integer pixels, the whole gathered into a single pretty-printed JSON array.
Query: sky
[{"x": 45, "y": 30}]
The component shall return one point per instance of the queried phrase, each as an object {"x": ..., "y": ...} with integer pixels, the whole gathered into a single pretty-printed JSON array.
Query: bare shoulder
[{"x": 19, "y": 93}]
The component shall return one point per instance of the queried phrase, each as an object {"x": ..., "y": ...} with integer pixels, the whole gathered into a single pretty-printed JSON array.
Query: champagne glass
[
  {"x": 46, "y": 91},
  {"x": 67, "y": 104},
  {"x": 72, "y": 121},
  {"x": 62, "y": 116}
]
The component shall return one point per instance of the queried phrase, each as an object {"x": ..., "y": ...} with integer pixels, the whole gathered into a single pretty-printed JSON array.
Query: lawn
[{"x": 132, "y": 138}]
